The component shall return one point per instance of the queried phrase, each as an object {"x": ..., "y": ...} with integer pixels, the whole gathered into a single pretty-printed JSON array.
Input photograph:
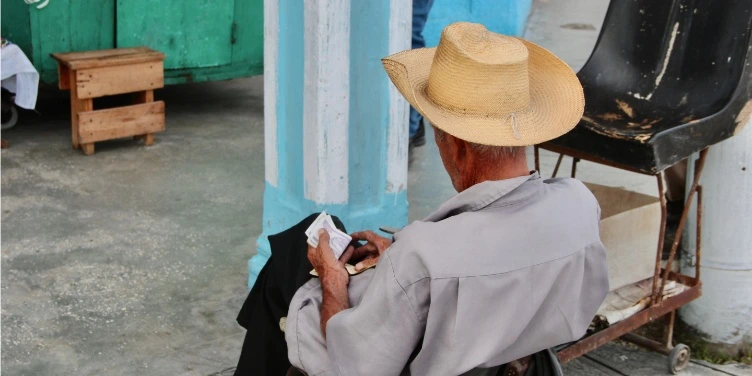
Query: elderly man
[{"x": 511, "y": 265}]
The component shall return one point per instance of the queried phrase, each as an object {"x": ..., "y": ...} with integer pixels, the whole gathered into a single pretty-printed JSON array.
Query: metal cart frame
[{"x": 678, "y": 356}]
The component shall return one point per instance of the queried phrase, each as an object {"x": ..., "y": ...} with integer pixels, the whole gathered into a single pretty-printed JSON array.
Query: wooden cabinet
[{"x": 203, "y": 39}]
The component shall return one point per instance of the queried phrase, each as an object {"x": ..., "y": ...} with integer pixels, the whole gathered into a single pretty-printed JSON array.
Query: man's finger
[
  {"x": 323, "y": 238},
  {"x": 365, "y": 250},
  {"x": 324, "y": 247},
  {"x": 365, "y": 235},
  {"x": 367, "y": 263},
  {"x": 347, "y": 255}
]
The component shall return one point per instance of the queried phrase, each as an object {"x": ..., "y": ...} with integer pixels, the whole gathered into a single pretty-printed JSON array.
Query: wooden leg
[
  {"x": 88, "y": 148},
  {"x": 77, "y": 105},
  {"x": 73, "y": 111},
  {"x": 143, "y": 97},
  {"x": 63, "y": 77}
]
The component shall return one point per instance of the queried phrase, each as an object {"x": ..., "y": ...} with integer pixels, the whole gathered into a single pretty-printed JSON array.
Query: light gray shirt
[{"x": 500, "y": 271}]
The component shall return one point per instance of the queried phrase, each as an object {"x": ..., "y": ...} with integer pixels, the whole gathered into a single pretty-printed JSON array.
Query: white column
[
  {"x": 335, "y": 128},
  {"x": 724, "y": 312},
  {"x": 326, "y": 100},
  {"x": 400, "y": 38}
]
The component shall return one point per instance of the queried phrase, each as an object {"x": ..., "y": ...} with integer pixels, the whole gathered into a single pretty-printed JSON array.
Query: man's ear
[{"x": 459, "y": 148}]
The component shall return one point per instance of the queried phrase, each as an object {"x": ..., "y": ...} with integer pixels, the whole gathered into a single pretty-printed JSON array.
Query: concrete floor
[{"x": 133, "y": 261}]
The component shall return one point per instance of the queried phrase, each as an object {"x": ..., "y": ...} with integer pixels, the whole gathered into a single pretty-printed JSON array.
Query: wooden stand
[{"x": 95, "y": 74}]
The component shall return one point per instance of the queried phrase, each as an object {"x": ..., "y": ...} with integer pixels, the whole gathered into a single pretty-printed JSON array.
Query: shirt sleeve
[
  {"x": 306, "y": 348},
  {"x": 377, "y": 336}
]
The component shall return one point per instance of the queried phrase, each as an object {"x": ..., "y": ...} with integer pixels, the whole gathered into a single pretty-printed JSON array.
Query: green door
[
  {"x": 66, "y": 25},
  {"x": 192, "y": 33}
]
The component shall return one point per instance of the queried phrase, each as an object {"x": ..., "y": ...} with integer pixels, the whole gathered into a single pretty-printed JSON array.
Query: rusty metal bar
[
  {"x": 668, "y": 330},
  {"x": 698, "y": 235},
  {"x": 633, "y": 322},
  {"x": 646, "y": 343},
  {"x": 574, "y": 166},
  {"x": 536, "y": 151},
  {"x": 698, "y": 228},
  {"x": 627, "y": 325},
  {"x": 558, "y": 163},
  {"x": 683, "y": 279},
  {"x": 685, "y": 213},
  {"x": 661, "y": 236}
]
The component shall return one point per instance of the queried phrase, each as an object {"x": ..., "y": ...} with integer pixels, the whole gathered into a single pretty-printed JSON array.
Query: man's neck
[{"x": 509, "y": 170}]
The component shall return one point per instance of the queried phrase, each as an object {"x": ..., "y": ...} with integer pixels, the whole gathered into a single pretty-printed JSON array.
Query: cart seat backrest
[{"x": 673, "y": 60}]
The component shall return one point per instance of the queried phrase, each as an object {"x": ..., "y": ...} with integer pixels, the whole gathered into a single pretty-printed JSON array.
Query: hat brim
[{"x": 556, "y": 102}]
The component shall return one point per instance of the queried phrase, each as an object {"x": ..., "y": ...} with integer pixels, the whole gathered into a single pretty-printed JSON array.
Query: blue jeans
[{"x": 420, "y": 15}]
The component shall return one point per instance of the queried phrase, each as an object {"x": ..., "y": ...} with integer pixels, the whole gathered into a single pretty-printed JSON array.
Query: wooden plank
[
  {"x": 149, "y": 139},
  {"x": 144, "y": 96},
  {"x": 88, "y": 148},
  {"x": 98, "y": 82},
  {"x": 736, "y": 369},
  {"x": 116, "y": 60},
  {"x": 78, "y": 105},
  {"x": 629, "y": 359},
  {"x": 585, "y": 367},
  {"x": 74, "y": 112},
  {"x": 98, "y": 54},
  {"x": 63, "y": 77},
  {"x": 120, "y": 122},
  {"x": 106, "y": 58}
]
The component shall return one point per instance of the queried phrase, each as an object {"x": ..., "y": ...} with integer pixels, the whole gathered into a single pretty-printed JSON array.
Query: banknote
[{"x": 338, "y": 240}]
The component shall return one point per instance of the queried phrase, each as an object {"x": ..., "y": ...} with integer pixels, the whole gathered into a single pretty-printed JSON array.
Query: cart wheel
[
  {"x": 11, "y": 120},
  {"x": 678, "y": 358}
]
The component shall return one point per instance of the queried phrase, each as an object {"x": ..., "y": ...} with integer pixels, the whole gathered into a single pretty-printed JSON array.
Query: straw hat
[{"x": 488, "y": 88}]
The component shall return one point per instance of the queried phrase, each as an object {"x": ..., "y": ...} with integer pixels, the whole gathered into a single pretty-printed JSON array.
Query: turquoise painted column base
[{"x": 284, "y": 213}]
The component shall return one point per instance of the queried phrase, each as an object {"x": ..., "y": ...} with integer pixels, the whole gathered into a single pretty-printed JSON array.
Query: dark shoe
[{"x": 419, "y": 138}]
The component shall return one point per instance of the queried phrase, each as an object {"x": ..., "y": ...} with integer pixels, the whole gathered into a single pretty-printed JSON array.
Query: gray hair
[{"x": 488, "y": 151}]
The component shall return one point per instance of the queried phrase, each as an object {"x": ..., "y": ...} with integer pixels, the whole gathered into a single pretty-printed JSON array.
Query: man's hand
[
  {"x": 369, "y": 253},
  {"x": 322, "y": 259},
  {"x": 333, "y": 276}
]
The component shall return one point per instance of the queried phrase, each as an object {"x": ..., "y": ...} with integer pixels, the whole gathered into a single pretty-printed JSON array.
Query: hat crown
[{"x": 475, "y": 71}]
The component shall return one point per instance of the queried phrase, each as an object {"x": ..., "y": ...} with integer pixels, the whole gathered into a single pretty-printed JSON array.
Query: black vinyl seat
[{"x": 667, "y": 78}]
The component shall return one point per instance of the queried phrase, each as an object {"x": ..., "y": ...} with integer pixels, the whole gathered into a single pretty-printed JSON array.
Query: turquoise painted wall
[{"x": 502, "y": 16}]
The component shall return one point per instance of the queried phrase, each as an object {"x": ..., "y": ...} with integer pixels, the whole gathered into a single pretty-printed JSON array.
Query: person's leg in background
[
  {"x": 676, "y": 181},
  {"x": 421, "y": 8}
]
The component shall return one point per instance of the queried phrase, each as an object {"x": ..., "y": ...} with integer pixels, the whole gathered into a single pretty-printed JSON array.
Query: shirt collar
[{"x": 484, "y": 194}]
